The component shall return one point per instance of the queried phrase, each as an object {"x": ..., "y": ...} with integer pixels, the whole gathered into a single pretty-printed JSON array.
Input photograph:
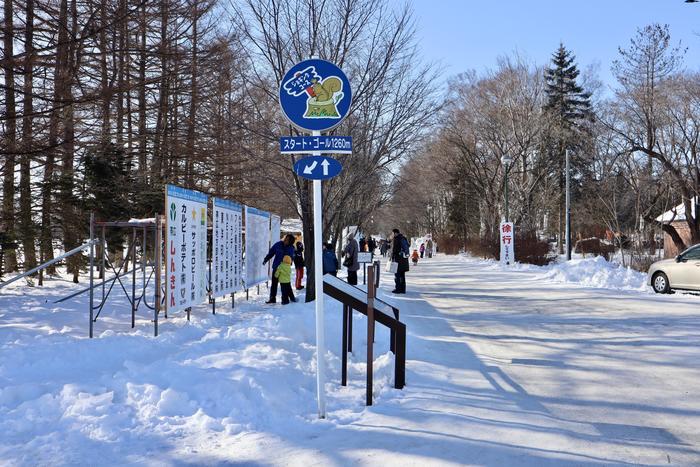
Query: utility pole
[
  {"x": 506, "y": 160},
  {"x": 568, "y": 207}
]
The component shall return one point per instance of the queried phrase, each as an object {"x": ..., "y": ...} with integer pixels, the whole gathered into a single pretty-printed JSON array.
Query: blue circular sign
[{"x": 315, "y": 95}]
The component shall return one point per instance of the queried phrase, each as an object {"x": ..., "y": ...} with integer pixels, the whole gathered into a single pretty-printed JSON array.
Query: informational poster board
[
  {"x": 507, "y": 231},
  {"x": 186, "y": 248},
  {"x": 227, "y": 248},
  {"x": 257, "y": 244},
  {"x": 275, "y": 229},
  {"x": 364, "y": 257}
]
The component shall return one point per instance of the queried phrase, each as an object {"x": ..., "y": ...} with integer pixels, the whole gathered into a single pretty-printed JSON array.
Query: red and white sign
[{"x": 507, "y": 233}]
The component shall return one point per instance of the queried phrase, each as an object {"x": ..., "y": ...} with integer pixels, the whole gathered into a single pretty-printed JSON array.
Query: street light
[{"x": 506, "y": 160}]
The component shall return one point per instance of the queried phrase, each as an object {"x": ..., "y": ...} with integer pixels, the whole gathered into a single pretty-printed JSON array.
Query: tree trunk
[
  {"x": 69, "y": 220},
  {"x": 8, "y": 187},
  {"x": 26, "y": 223},
  {"x": 307, "y": 219},
  {"x": 192, "y": 117},
  {"x": 142, "y": 96}
]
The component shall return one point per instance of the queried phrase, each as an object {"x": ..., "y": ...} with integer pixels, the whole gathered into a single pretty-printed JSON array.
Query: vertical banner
[
  {"x": 507, "y": 232},
  {"x": 186, "y": 248},
  {"x": 227, "y": 248},
  {"x": 257, "y": 244}
]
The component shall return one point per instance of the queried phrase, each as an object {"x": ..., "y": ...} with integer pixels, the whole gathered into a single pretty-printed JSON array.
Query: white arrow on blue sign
[{"x": 317, "y": 167}]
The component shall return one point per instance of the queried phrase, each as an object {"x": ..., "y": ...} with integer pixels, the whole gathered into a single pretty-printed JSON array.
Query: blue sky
[{"x": 471, "y": 34}]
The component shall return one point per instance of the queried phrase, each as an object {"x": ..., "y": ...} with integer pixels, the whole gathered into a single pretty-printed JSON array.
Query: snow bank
[
  {"x": 587, "y": 272},
  {"x": 596, "y": 272},
  {"x": 126, "y": 397}
]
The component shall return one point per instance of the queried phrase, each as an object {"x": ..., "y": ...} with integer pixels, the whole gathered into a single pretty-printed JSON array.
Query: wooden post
[
  {"x": 346, "y": 316},
  {"x": 400, "y": 358},
  {"x": 370, "y": 334},
  {"x": 349, "y": 329}
]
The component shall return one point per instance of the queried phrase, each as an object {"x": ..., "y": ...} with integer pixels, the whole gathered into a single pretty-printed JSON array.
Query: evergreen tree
[
  {"x": 569, "y": 109},
  {"x": 566, "y": 99}
]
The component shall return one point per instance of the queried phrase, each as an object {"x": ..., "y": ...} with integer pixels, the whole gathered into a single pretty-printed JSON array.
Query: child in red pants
[{"x": 299, "y": 264}]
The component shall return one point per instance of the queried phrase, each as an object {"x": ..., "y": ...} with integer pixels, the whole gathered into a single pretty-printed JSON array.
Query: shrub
[
  {"x": 449, "y": 245},
  {"x": 483, "y": 248},
  {"x": 595, "y": 247},
  {"x": 528, "y": 249},
  {"x": 531, "y": 250}
]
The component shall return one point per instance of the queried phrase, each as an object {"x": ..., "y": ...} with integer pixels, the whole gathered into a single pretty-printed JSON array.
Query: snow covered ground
[{"x": 505, "y": 367}]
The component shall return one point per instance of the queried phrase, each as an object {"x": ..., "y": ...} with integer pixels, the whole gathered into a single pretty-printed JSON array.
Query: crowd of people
[{"x": 288, "y": 252}]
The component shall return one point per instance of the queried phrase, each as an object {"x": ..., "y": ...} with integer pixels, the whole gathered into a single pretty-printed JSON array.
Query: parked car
[{"x": 681, "y": 272}]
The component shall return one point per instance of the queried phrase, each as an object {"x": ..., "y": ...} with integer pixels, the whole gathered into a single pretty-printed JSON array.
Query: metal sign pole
[
  {"x": 315, "y": 96},
  {"x": 318, "y": 273}
]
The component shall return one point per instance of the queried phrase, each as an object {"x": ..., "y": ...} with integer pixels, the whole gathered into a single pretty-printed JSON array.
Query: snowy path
[
  {"x": 506, "y": 370},
  {"x": 502, "y": 369}
]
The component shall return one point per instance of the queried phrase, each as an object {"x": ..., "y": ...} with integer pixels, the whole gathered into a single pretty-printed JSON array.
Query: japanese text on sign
[
  {"x": 322, "y": 144},
  {"x": 186, "y": 248},
  {"x": 507, "y": 234},
  {"x": 227, "y": 248}
]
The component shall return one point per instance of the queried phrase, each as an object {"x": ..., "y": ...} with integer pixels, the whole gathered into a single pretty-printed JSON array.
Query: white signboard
[
  {"x": 507, "y": 232},
  {"x": 227, "y": 248},
  {"x": 257, "y": 244},
  {"x": 364, "y": 257},
  {"x": 186, "y": 248}
]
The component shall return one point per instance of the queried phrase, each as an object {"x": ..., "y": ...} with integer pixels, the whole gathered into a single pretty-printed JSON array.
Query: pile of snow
[
  {"x": 586, "y": 272},
  {"x": 596, "y": 272}
]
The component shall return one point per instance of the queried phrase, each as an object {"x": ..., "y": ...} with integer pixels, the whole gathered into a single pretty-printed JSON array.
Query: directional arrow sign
[{"x": 317, "y": 167}]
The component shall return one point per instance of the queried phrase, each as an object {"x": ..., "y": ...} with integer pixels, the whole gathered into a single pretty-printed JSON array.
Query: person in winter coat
[
  {"x": 283, "y": 274},
  {"x": 371, "y": 245},
  {"x": 422, "y": 250},
  {"x": 299, "y": 264},
  {"x": 278, "y": 251},
  {"x": 350, "y": 254},
  {"x": 414, "y": 257},
  {"x": 399, "y": 253},
  {"x": 330, "y": 261},
  {"x": 363, "y": 244}
]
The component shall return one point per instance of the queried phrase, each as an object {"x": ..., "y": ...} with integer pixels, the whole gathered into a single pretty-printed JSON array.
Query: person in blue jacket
[
  {"x": 330, "y": 261},
  {"x": 279, "y": 250}
]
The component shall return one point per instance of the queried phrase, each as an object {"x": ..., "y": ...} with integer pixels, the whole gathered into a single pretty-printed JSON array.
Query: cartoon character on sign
[{"x": 322, "y": 94}]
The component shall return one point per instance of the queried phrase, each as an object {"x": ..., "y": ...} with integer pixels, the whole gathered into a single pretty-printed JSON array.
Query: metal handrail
[{"x": 49, "y": 263}]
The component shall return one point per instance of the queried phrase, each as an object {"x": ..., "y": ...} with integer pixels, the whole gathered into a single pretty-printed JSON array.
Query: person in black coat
[{"x": 399, "y": 254}]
